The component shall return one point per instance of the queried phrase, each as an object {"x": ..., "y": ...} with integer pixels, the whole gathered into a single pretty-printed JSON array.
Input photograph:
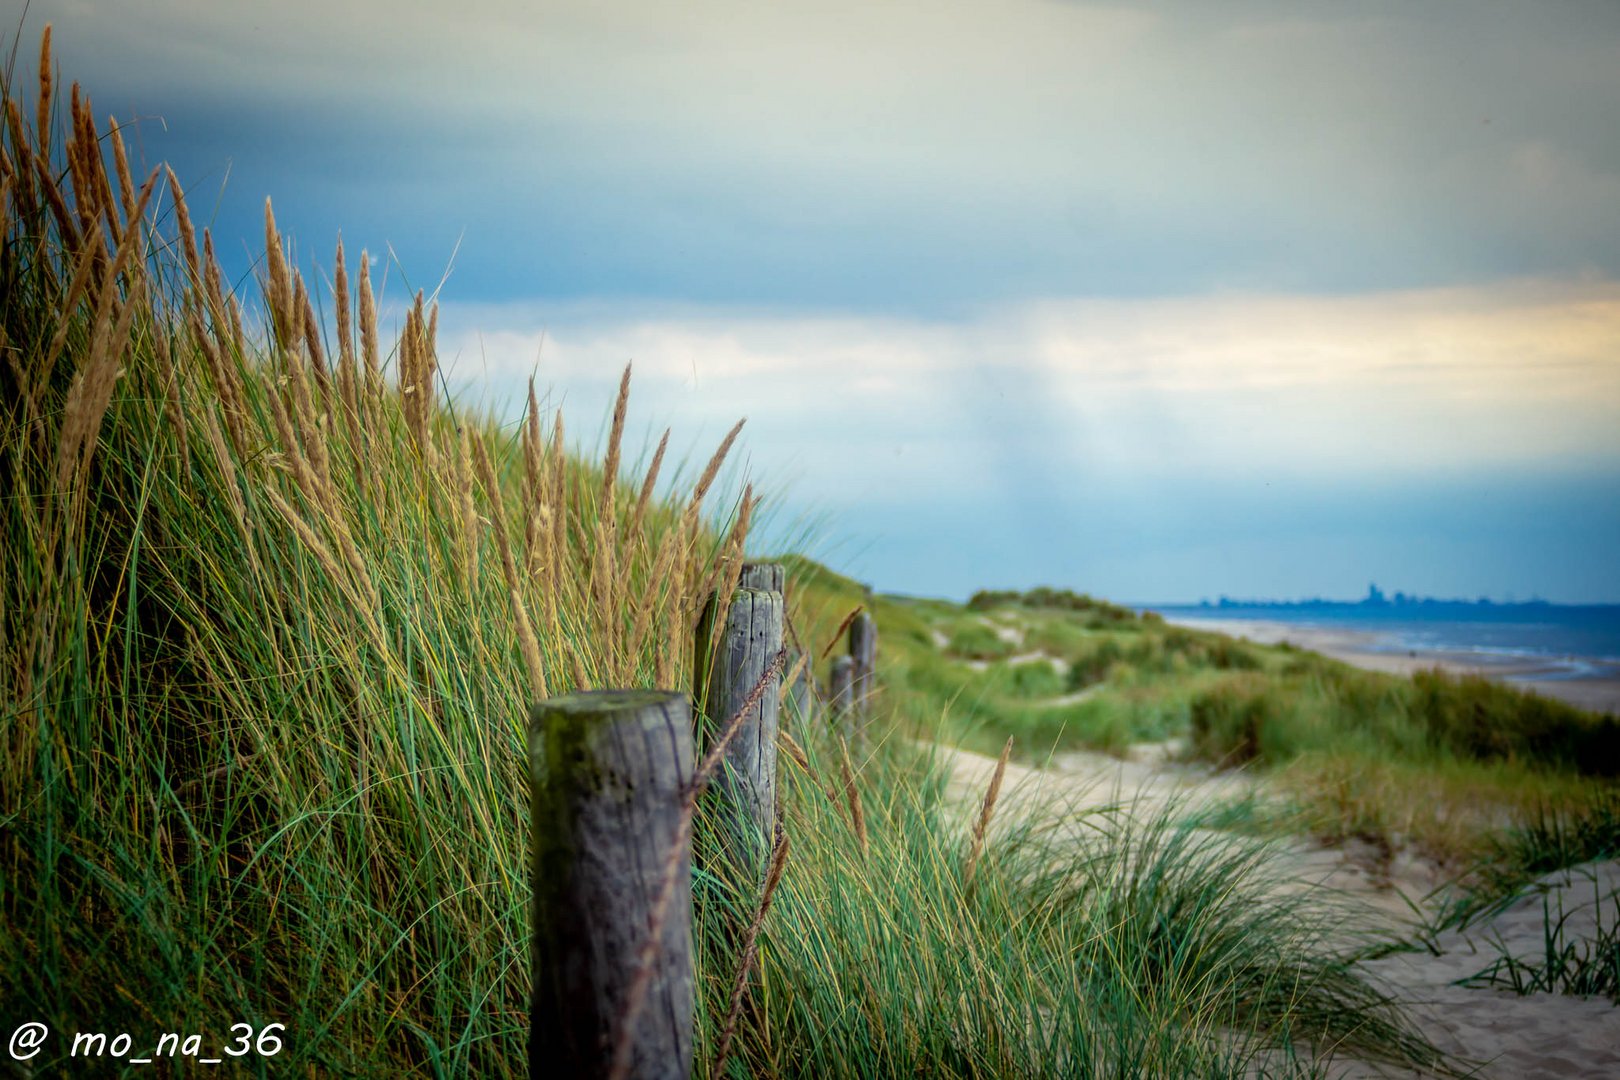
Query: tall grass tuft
[{"x": 1107, "y": 947}]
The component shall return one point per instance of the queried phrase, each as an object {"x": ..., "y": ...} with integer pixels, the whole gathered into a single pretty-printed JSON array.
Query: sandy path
[
  {"x": 1010, "y": 631},
  {"x": 1147, "y": 785},
  {"x": 1504, "y": 1035},
  {"x": 1058, "y": 664}
]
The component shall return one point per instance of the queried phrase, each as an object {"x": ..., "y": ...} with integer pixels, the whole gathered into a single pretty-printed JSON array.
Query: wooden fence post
[
  {"x": 609, "y": 773},
  {"x": 840, "y": 695},
  {"x": 748, "y": 644},
  {"x": 766, "y": 577},
  {"x": 863, "y": 650}
]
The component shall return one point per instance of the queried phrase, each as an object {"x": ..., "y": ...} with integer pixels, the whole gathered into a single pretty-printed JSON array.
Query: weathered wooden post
[
  {"x": 863, "y": 650},
  {"x": 840, "y": 692},
  {"x": 609, "y": 773},
  {"x": 748, "y": 643},
  {"x": 767, "y": 577}
]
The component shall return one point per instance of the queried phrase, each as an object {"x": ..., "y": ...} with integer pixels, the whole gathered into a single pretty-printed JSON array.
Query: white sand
[{"x": 1539, "y": 1035}]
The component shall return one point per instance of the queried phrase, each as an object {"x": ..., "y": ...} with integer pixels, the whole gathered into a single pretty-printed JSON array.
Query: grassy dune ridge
[
  {"x": 273, "y": 613},
  {"x": 1437, "y": 762}
]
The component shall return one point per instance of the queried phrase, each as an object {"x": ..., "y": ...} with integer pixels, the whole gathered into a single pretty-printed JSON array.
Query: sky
[{"x": 1155, "y": 301}]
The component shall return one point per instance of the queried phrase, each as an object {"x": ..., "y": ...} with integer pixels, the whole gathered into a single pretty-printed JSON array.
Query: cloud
[
  {"x": 1059, "y": 282},
  {"x": 908, "y": 157},
  {"x": 1354, "y": 388}
]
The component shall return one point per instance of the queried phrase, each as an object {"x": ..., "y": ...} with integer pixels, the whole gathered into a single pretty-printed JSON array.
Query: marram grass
[
  {"x": 272, "y": 612},
  {"x": 1102, "y": 947}
]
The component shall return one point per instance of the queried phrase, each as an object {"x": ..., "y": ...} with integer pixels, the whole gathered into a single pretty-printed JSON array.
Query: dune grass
[
  {"x": 1582, "y": 966},
  {"x": 273, "y": 615},
  {"x": 1103, "y": 947}
]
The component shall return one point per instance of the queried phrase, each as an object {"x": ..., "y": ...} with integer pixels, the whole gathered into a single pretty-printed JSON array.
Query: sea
[{"x": 1565, "y": 641}]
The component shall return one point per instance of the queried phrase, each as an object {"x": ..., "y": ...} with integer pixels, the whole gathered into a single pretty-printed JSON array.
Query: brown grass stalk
[
  {"x": 652, "y": 595},
  {"x": 78, "y": 286},
  {"x": 786, "y": 741},
  {"x": 303, "y": 475},
  {"x": 712, "y": 469},
  {"x": 226, "y": 386},
  {"x": 371, "y": 389},
  {"x": 312, "y": 343},
  {"x": 42, "y": 118},
  {"x": 126, "y": 179},
  {"x": 369, "y": 342},
  {"x": 610, "y": 466},
  {"x": 468, "y": 511},
  {"x": 23, "y": 168},
  {"x": 852, "y": 795},
  {"x": 745, "y": 963},
  {"x": 535, "y": 532},
  {"x": 82, "y": 165},
  {"x": 53, "y": 199},
  {"x": 224, "y": 317},
  {"x": 232, "y": 485},
  {"x": 96, "y": 172},
  {"x": 417, "y": 366},
  {"x": 843, "y": 627},
  {"x": 7, "y": 182},
  {"x": 988, "y": 808},
  {"x": 311, "y": 436},
  {"x": 647, "y": 484},
  {"x": 559, "y": 521},
  {"x": 361, "y": 593},
  {"x": 91, "y": 392},
  {"x": 278, "y": 293},
  {"x": 188, "y": 236},
  {"x": 799, "y": 664},
  {"x": 529, "y": 645},
  {"x": 600, "y": 588},
  {"x": 346, "y": 374}
]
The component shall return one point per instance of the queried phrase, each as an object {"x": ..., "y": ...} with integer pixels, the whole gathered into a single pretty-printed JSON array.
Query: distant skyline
[
  {"x": 1157, "y": 302},
  {"x": 1377, "y": 599}
]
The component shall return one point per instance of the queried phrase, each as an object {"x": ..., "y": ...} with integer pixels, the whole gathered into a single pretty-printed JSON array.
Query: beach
[{"x": 1370, "y": 650}]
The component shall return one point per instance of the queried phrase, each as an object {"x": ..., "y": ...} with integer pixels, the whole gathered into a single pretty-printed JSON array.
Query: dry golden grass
[{"x": 981, "y": 826}]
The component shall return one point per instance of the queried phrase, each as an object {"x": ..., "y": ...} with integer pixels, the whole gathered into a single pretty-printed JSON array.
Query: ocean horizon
[{"x": 1571, "y": 641}]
